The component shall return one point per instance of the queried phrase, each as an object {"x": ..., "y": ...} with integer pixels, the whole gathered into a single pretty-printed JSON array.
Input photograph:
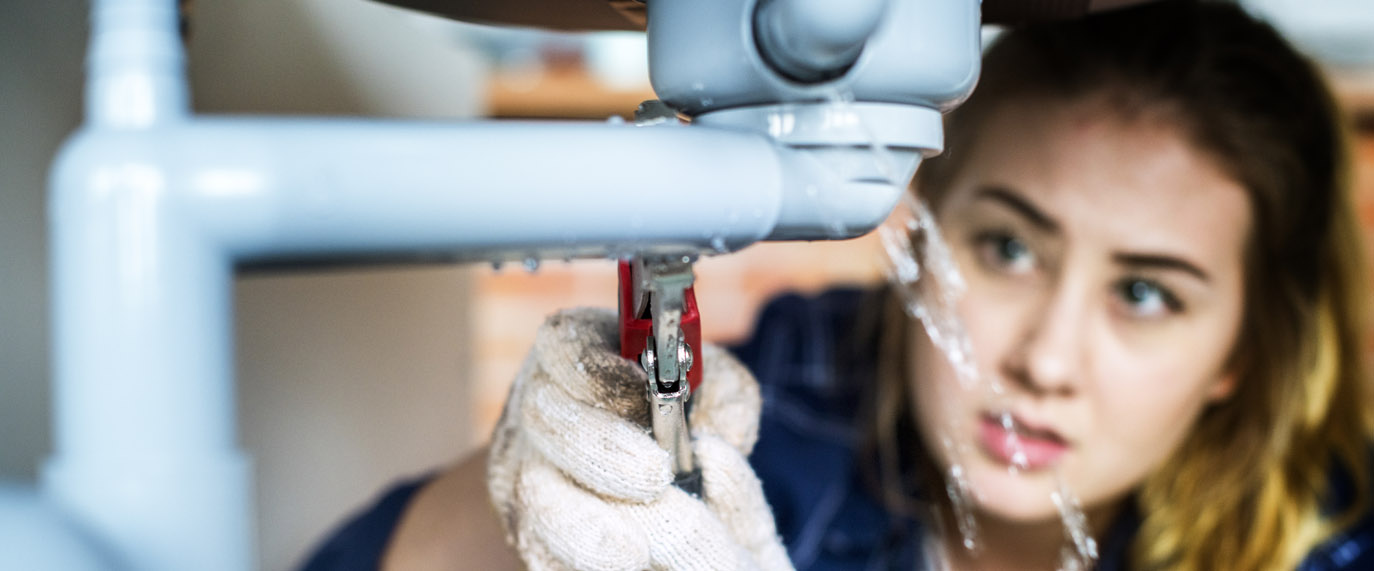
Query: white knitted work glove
[{"x": 581, "y": 484}]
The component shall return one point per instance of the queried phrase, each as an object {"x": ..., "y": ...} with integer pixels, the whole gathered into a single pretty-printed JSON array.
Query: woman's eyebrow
[
  {"x": 1158, "y": 261},
  {"x": 1013, "y": 200}
]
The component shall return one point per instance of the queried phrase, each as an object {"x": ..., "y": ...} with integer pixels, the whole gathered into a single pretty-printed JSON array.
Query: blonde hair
[{"x": 1250, "y": 487}]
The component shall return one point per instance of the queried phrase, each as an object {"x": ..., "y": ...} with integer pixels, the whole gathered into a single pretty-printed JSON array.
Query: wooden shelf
[
  {"x": 569, "y": 92},
  {"x": 563, "y": 92}
]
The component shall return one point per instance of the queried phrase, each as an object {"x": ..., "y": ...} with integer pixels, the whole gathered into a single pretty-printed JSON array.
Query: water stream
[{"x": 923, "y": 271}]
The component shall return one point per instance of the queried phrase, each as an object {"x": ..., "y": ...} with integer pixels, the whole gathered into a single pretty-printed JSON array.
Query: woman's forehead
[{"x": 1129, "y": 182}]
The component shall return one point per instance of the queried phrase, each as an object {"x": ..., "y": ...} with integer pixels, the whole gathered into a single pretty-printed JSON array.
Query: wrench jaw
[{"x": 668, "y": 403}]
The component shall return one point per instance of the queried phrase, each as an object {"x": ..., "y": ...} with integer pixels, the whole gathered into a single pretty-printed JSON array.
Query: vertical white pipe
[
  {"x": 144, "y": 419},
  {"x": 135, "y": 65},
  {"x": 144, "y": 403},
  {"x": 143, "y": 394}
]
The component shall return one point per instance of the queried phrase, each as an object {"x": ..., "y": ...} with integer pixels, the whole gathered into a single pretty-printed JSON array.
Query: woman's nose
[{"x": 1046, "y": 358}]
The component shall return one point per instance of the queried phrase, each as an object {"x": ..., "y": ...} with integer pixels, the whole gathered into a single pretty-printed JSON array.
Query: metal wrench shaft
[{"x": 667, "y": 358}]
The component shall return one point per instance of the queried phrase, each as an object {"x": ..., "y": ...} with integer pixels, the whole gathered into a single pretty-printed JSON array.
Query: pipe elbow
[
  {"x": 841, "y": 193},
  {"x": 95, "y": 169},
  {"x": 844, "y": 165}
]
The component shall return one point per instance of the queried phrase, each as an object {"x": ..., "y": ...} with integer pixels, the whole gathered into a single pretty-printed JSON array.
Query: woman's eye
[
  {"x": 1147, "y": 298},
  {"x": 1002, "y": 251}
]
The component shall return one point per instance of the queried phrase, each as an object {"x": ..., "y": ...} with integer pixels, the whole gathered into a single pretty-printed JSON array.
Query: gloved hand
[{"x": 580, "y": 483}]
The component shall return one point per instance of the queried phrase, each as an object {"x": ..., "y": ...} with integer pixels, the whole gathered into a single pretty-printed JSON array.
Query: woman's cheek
[{"x": 1143, "y": 413}]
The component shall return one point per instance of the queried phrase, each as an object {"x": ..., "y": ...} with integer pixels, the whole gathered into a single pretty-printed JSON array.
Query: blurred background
[{"x": 349, "y": 380}]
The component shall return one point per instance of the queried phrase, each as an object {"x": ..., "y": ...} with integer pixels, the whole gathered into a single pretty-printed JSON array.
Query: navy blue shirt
[{"x": 813, "y": 376}]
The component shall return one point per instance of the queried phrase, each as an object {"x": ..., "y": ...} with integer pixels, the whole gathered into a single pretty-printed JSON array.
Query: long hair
[{"x": 1250, "y": 487}]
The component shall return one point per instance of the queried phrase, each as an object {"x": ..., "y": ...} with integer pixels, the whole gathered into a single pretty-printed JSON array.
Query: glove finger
[
  {"x": 505, "y": 452},
  {"x": 563, "y": 522},
  {"x": 502, "y": 470},
  {"x": 733, "y": 492},
  {"x": 596, "y": 448},
  {"x": 728, "y": 402},
  {"x": 686, "y": 536},
  {"x": 537, "y": 557},
  {"x": 579, "y": 348}
]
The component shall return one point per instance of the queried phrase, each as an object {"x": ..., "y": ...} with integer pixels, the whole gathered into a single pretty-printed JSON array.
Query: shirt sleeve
[{"x": 360, "y": 543}]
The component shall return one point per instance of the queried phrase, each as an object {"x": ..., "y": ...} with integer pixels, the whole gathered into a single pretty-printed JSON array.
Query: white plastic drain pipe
[{"x": 152, "y": 209}]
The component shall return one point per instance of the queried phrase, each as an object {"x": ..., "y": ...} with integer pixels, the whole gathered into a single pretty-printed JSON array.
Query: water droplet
[
  {"x": 960, "y": 493},
  {"x": 581, "y": 368},
  {"x": 707, "y": 101},
  {"x": 781, "y": 124},
  {"x": 931, "y": 292},
  {"x": 496, "y": 265},
  {"x": 615, "y": 120},
  {"x": 1081, "y": 552},
  {"x": 718, "y": 244},
  {"x": 531, "y": 264},
  {"x": 837, "y": 229},
  {"x": 1019, "y": 461}
]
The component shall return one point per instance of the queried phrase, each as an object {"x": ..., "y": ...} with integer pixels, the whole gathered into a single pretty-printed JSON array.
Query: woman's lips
[{"x": 1019, "y": 447}]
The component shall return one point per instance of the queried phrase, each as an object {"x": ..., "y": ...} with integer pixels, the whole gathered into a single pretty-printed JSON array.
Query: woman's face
[{"x": 1103, "y": 260}]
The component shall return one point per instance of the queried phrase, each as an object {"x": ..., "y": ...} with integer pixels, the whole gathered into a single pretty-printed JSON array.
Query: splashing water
[
  {"x": 922, "y": 270},
  {"x": 960, "y": 492},
  {"x": 1019, "y": 461},
  {"x": 939, "y": 318},
  {"x": 914, "y": 244},
  {"x": 718, "y": 245},
  {"x": 1081, "y": 552},
  {"x": 914, "y": 239}
]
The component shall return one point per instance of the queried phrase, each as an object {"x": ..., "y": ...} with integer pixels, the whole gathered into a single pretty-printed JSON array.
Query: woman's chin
[{"x": 1021, "y": 496}]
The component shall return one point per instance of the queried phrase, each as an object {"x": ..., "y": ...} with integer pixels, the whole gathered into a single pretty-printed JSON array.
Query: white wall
[
  {"x": 347, "y": 379},
  {"x": 40, "y": 102}
]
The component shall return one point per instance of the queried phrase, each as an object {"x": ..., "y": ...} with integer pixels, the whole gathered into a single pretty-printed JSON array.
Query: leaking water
[
  {"x": 923, "y": 272},
  {"x": 718, "y": 244},
  {"x": 1019, "y": 461},
  {"x": 1081, "y": 552},
  {"x": 960, "y": 492},
  {"x": 926, "y": 277}
]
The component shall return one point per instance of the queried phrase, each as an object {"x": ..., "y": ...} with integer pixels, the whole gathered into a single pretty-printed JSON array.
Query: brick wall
[{"x": 1364, "y": 194}]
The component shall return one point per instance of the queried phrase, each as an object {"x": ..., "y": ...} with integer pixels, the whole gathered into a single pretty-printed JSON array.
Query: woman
[
  {"x": 1162, "y": 281},
  {"x": 1162, "y": 270}
]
